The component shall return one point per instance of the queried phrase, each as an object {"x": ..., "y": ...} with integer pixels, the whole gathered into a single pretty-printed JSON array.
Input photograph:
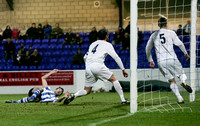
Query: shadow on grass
[{"x": 94, "y": 115}]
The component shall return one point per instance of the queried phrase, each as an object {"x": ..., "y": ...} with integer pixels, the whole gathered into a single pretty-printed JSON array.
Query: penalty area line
[{"x": 111, "y": 119}]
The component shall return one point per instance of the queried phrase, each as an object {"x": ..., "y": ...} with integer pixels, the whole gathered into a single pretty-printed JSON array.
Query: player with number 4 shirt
[{"x": 96, "y": 69}]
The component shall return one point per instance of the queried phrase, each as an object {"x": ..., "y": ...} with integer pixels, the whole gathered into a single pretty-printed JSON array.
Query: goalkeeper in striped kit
[
  {"x": 168, "y": 63},
  {"x": 45, "y": 93}
]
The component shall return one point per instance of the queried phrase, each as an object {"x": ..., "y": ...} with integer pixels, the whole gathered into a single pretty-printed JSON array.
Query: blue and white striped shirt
[{"x": 48, "y": 95}]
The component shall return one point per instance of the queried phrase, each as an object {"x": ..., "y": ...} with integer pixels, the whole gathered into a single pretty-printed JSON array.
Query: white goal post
[{"x": 133, "y": 56}]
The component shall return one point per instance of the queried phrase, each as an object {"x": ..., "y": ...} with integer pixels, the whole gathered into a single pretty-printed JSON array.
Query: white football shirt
[
  {"x": 98, "y": 51},
  {"x": 163, "y": 41}
]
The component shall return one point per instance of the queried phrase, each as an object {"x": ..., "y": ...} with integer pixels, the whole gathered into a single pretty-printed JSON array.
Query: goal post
[
  {"x": 193, "y": 49},
  {"x": 133, "y": 56}
]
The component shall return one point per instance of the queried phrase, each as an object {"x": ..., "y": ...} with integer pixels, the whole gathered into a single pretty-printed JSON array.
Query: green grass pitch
[{"x": 94, "y": 109}]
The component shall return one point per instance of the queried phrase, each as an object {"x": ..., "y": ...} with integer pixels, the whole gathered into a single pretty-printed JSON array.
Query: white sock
[
  {"x": 174, "y": 88},
  {"x": 80, "y": 93},
  {"x": 119, "y": 90},
  {"x": 183, "y": 77}
]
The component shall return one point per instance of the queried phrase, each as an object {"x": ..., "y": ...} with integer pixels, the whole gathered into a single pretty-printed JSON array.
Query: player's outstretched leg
[{"x": 23, "y": 100}]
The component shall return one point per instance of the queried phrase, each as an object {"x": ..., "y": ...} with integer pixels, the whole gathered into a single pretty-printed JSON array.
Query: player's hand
[
  {"x": 152, "y": 64},
  {"x": 54, "y": 71},
  {"x": 66, "y": 94},
  {"x": 187, "y": 56},
  {"x": 125, "y": 73}
]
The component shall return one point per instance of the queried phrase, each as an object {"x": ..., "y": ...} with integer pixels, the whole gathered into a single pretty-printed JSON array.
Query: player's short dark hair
[
  {"x": 162, "y": 22},
  {"x": 61, "y": 89},
  {"x": 102, "y": 34}
]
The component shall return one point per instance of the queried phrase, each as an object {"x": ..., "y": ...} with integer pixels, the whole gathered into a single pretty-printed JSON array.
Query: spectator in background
[
  {"x": 47, "y": 30},
  {"x": 121, "y": 29},
  {"x": 35, "y": 58},
  {"x": 93, "y": 35},
  {"x": 187, "y": 28},
  {"x": 40, "y": 32},
  {"x": 7, "y": 33},
  {"x": 15, "y": 32},
  {"x": 78, "y": 40},
  {"x": 22, "y": 32},
  {"x": 127, "y": 29},
  {"x": 179, "y": 30},
  {"x": 32, "y": 32},
  {"x": 27, "y": 58},
  {"x": 9, "y": 49},
  {"x": 19, "y": 59},
  {"x": 22, "y": 48},
  {"x": 140, "y": 36},
  {"x": 30, "y": 49},
  {"x": 77, "y": 58},
  {"x": 126, "y": 42},
  {"x": 57, "y": 32},
  {"x": 69, "y": 37},
  {"x": 118, "y": 37},
  {"x": 1, "y": 35}
]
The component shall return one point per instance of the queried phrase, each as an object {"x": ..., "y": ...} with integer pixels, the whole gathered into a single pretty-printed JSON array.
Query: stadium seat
[
  {"x": 61, "y": 60},
  {"x": 85, "y": 46},
  {"x": 66, "y": 53},
  {"x": 52, "y": 60},
  {"x": 32, "y": 67},
  {"x": 52, "y": 46},
  {"x": 60, "y": 41},
  {"x": 186, "y": 38},
  {"x": 42, "y": 67},
  {"x": 44, "y": 46},
  {"x": 24, "y": 68},
  {"x": 180, "y": 37},
  {"x": 67, "y": 66},
  {"x": 75, "y": 47},
  {"x": 56, "y": 53},
  {"x": 147, "y": 32},
  {"x": 37, "y": 41},
  {"x": 81, "y": 34},
  {"x": 47, "y": 54},
  {"x": 36, "y": 46},
  {"x": 29, "y": 41},
  {"x": 67, "y": 47},
  {"x": 82, "y": 66},
  {"x": 54, "y": 41},
  {"x": 87, "y": 34},
  {"x": 21, "y": 41},
  {"x": 59, "y": 46},
  {"x": 125, "y": 52},
  {"x": 75, "y": 67},
  {"x": 45, "y": 41}
]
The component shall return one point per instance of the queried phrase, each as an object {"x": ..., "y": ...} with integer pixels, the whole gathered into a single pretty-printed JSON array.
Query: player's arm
[
  {"x": 64, "y": 96},
  {"x": 114, "y": 55},
  {"x": 148, "y": 48},
  {"x": 180, "y": 44},
  {"x": 44, "y": 81}
]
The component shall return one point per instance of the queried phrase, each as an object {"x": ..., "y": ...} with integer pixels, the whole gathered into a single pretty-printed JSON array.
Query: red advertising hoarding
[{"x": 29, "y": 78}]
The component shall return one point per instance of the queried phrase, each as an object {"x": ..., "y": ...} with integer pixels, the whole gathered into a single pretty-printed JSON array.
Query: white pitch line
[{"x": 111, "y": 119}]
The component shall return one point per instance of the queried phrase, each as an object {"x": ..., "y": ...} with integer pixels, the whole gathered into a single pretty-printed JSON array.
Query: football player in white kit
[
  {"x": 168, "y": 63},
  {"x": 96, "y": 69}
]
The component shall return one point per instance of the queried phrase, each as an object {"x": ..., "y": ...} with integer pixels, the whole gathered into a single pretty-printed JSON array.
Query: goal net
[{"x": 154, "y": 92}]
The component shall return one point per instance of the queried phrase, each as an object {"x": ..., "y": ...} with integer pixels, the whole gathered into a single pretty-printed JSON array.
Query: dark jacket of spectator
[
  {"x": 9, "y": 49},
  {"x": 78, "y": 40},
  {"x": 127, "y": 29},
  {"x": 126, "y": 42},
  {"x": 40, "y": 32},
  {"x": 32, "y": 32},
  {"x": 47, "y": 30},
  {"x": 179, "y": 30},
  {"x": 19, "y": 59},
  {"x": 22, "y": 48},
  {"x": 118, "y": 37},
  {"x": 93, "y": 35},
  {"x": 35, "y": 58},
  {"x": 78, "y": 58},
  {"x": 69, "y": 37},
  {"x": 57, "y": 32},
  {"x": 7, "y": 32}
]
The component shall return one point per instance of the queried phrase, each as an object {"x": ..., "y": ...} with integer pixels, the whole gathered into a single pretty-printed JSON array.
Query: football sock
[
  {"x": 183, "y": 77},
  {"x": 80, "y": 93},
  {"x": 174, "y": 88},
  {"x": 119, "y": 90},
  {"x": 34, "y": 95},
  {"x": 23, "y": 100}
]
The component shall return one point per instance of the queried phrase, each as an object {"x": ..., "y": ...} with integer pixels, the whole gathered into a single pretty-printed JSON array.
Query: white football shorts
[
  {"x": 170, "y": 68},
  {"x": 96, "y": 71}
]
